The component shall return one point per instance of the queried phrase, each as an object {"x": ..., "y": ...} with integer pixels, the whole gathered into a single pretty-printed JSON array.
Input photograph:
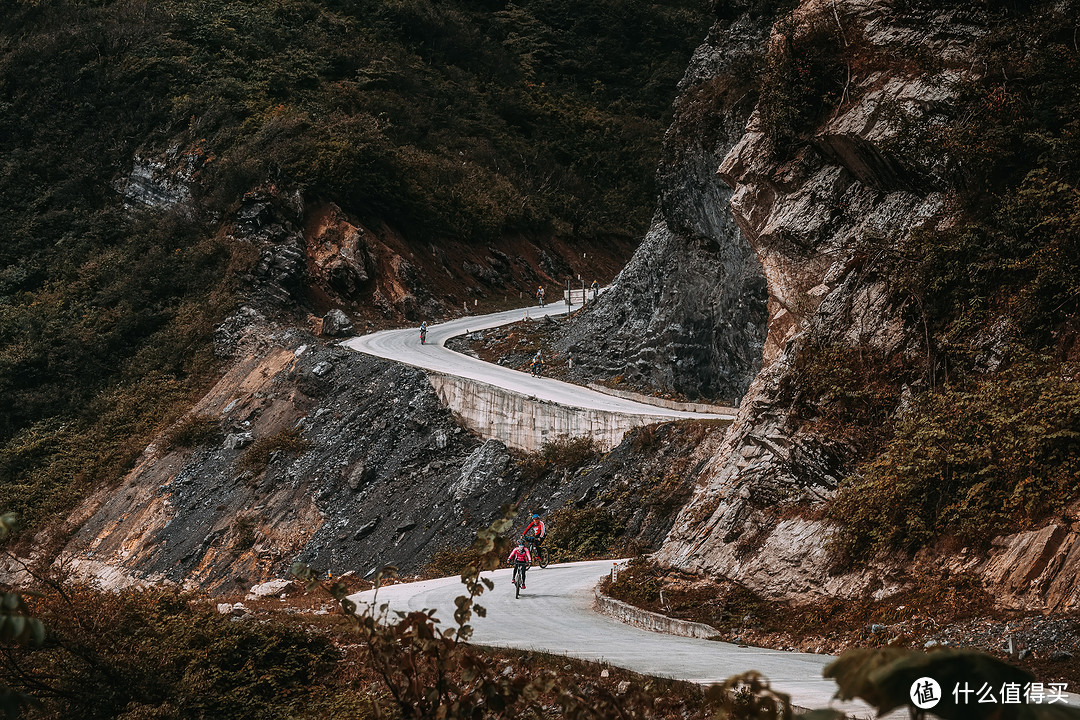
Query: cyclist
[
  {"x": 539, "y": 532},
  {"x": 521, "y": 559},
  {"x": 537, "y": 364},
  {"x": 540, "y": 295},
  {"x": 595, "y": 289},
  {"x": 423, "y": 333}
]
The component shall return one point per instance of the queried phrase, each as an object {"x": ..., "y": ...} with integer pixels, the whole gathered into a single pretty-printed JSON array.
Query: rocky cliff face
[
  {"x": 813, "y": 218},
  {"x": 687, "y": 314}
]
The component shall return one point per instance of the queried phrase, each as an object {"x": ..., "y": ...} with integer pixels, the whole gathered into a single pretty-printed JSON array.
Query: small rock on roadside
[
  {"x": 237, "y": 610},
  {"x": 272, "y": 587}
]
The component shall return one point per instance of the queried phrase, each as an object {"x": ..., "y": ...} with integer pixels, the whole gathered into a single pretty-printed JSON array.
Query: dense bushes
[
  {"x": 1020, "y": 261},
  {"x": 803, "y": 76},
  {"x": 193, "y": 431},
  {"x": 448, "y": 120},
  {"x": 258, "y": 456},
  {"x": 847, "y": 394},
  {"x": 158, "y": 654},
  {"x": 563, "y": 453},
  {"x": 972, "y": 460},
  {"x": 1012, "y": 148},
  {"x": 583, "y": 533}
]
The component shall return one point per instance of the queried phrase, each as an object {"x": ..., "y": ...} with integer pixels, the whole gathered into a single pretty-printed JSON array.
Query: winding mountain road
[
  {"x": 404, "y": 346},
  {"x": 555, "y": 615}
]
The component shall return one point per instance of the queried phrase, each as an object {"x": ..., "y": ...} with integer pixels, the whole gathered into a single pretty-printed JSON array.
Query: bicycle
[
  {"x": 519, "y": 579},
  {"x": 538, "y": 552}
]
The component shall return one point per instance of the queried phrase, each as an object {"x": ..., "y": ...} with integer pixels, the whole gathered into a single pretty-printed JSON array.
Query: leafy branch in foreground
[
  {"x": 883, "y": 677},
  {"x": 16, "y": 627}
]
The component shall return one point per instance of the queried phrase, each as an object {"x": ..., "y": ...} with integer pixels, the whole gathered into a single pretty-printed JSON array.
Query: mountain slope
[{"x": 164, "y": 163}]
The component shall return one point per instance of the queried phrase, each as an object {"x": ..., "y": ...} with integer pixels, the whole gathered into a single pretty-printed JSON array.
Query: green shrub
[
  {"x": 193, "y": 431},
  {"x": 582, "y": 533},
  {"x": 639, "y": 583},
  {"x": 257, "y": 457},
  {"x": 159, "y": 654},
  {"x": 846, "y": 393},
  {"x": 803, "y": 77},
  {"x": 1021, "y": 261},
  {"x": 244, "y": 534},
  {"x": 1011, "y": 244},
  {"x": 970, "y": 461},
  {"x": 46, "y": 467},
  {"x": 563, "y": 453},
  {"x": 450, "y": 561}
]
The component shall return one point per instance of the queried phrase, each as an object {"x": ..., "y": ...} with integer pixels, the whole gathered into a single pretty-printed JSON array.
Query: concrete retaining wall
[
  {"x": 526, "y": 423},
  {"x": 626, "y": 613}
]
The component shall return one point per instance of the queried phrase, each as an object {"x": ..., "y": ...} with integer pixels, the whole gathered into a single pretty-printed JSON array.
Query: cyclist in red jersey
[{"x": 538, "y": 530}]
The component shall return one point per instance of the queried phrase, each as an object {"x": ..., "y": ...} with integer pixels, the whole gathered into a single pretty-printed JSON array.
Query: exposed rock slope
[
  {"x": 687, "y": 314},
  {"x": 816, "y": 215}
]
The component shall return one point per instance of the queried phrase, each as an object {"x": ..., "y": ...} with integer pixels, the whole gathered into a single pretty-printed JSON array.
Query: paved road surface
[
  {"x": 404, "y": 347},
  {"x": 555, "y": 615}
]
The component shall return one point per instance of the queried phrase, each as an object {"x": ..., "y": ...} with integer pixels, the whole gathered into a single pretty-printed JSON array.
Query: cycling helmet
[{"x": 535, "y": 516}]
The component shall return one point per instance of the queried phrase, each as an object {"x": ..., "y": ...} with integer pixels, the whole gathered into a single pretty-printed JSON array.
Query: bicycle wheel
[
  {"x": 517, "y": 582},
  {"x": 541, "y": 557}
]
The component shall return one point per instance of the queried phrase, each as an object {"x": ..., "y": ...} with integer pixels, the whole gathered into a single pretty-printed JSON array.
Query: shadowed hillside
[{"x": 131, "y": 131}]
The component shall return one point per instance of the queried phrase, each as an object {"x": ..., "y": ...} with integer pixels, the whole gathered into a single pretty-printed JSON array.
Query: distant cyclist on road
[
  {"x": 521, "y": 558},
  {"x": 423, "y": 333},
  {"x": 595, "y": 289},
  {"x": 537, "y": 365},
  {"x": 535, "y": 532},
  {"x": 540, "y": 295}
]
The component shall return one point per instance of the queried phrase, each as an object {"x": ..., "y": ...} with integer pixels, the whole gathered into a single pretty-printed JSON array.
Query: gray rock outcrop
[
  {"x": 336, "y": 324},
  {"x": 162, "y": 182},
  {"x": 270, "y": 222},
  {"x": 814, "y": 216},
  {"x": 687, "y": 314},
  {"x": 818, "y": 218}
]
